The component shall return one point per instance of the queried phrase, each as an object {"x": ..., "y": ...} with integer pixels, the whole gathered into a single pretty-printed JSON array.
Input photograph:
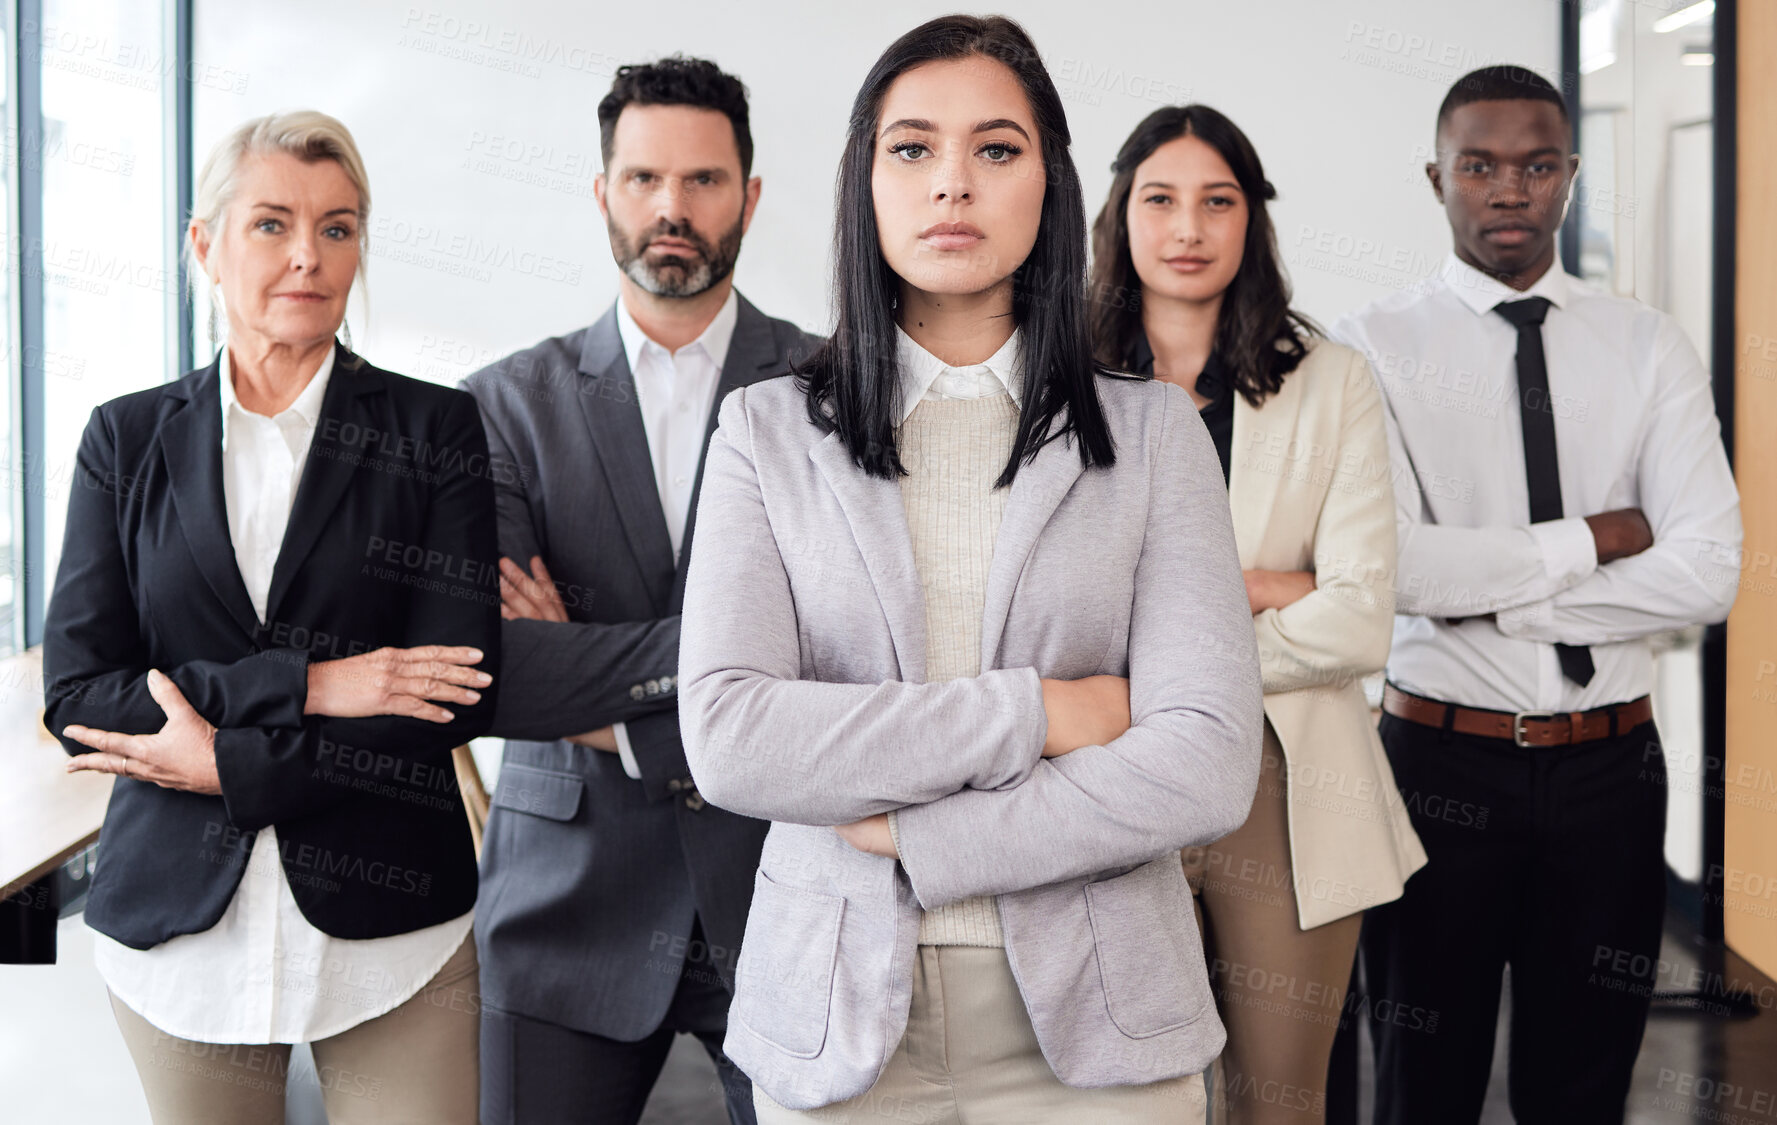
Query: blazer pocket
[
  {"x": 784, "y": 980},
  {"x": 1150, "y": 957},
  {"x": 540, "y": 792}
]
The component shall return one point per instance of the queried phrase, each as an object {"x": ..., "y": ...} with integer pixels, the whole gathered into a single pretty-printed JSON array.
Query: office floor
[{"x": 62, "y": 1062}]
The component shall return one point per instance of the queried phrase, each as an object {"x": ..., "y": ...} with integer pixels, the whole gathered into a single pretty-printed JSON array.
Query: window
[{"x": 109, "y": 278}]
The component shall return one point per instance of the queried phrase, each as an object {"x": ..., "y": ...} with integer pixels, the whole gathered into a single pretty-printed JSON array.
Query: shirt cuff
[
  {"x": 1569, "y": 551},
  {"x": 894, "y": 832},
  {"x": 625, "y": 752}
]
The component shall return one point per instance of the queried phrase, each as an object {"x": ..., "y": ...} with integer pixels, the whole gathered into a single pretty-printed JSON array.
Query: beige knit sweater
[{"x": 953, "y": 451}]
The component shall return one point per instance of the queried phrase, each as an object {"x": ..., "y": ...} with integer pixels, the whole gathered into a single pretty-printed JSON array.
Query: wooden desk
[{"x": 47, "y": 815}]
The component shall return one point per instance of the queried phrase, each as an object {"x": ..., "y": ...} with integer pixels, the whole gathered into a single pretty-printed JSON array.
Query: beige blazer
[{"x": 1310, "y": 487}]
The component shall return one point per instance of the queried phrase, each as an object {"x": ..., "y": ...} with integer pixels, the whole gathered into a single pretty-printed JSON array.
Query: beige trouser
[
  {"x": 970, "y": 1057},
  {"x": 1280, "y": 988},
  {"x": 419, "y": 1063}
]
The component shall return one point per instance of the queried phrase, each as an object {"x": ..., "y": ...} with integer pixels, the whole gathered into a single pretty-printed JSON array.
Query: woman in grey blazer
[
  {"x": 1297, "y": 421},
  {"x": 965, "y": 621}
]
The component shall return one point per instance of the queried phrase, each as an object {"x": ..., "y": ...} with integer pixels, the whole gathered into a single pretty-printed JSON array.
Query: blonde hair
[{"x": 306, "y": 134}]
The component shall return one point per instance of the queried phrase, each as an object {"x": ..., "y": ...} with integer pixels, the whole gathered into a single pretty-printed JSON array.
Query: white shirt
[
  {"x": 925, "y": 376},
  {"x": 1635, "y": 427},
  {"x": 263, "y": 973},
  {"x": 675, "y": 391}
]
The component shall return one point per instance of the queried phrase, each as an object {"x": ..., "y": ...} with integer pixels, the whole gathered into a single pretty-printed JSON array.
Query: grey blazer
[
  {"x": 590, "y": 881},
  {"x": 803, "y": 701}
]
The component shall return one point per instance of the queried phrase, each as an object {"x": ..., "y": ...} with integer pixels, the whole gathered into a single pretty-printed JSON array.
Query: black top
[
  {"x": 1215, "y": 383},
  {"x": 391, "y": 541}
]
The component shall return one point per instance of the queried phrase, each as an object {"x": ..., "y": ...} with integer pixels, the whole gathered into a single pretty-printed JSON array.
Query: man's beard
[{"x": 675, "y": 275}]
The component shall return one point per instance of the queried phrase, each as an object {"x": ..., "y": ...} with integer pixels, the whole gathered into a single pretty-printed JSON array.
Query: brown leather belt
[{"x": 1525, "y": 728}]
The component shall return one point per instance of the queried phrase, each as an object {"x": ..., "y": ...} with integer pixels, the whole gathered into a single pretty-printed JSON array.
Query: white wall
[{"x": 477, "y": 120}]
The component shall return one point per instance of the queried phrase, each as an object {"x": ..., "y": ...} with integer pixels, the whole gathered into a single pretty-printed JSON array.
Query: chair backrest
[{"x": 475, "y": 799}]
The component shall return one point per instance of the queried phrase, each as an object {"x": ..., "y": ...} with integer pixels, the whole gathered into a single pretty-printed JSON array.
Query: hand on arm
[
  {"x": 181, "y": 755},
  {"x": 1276, "y": 589},
  {"x": 534, "y": 595},
  {"x": 397, "y": 681},
  {"x": 1620, "y": 534},
  {"x": 1085, "y": 712}
]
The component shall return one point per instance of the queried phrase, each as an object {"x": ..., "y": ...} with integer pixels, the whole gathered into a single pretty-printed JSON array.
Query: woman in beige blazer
[{"x": 1187, "y": 287}]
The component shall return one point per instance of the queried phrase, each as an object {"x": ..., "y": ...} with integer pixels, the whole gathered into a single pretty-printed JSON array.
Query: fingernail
[
  {"x": 483, "y": 679},
  {"x": 475, "y": 697}
]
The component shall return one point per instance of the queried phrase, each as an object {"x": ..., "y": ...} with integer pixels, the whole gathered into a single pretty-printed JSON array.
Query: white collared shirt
[
  {"x": 263, "y": 973},
  {"x": 1635, "y": 427},
  {"x": 675, "y": 391},
  {"x": 925, "y": 376}
]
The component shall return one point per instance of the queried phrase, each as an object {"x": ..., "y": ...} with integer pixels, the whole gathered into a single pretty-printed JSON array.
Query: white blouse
[{"x": 263, "y": 973}]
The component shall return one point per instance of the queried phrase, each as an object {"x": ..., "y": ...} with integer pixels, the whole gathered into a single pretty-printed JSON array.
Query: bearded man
[{"x": 613, "y": 897}]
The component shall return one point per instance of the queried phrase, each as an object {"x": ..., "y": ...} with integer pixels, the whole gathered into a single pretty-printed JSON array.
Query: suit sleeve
[
  {"x": 1185, "y": 771},
  {"x": 567, "y": 678},
  {"x": 1341, "y": 629},
  {"x": 763, "y": 742},
  {"x": 95, "y": 659},
  {"x": 272, "y": 774}
]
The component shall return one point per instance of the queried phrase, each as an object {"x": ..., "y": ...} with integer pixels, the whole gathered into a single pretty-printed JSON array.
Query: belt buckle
[{"x": 1518, "y": 721}]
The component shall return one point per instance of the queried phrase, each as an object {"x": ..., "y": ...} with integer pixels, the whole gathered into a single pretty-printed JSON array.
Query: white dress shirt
[
  {"x": 1635, "y": 427},
  {"x": 675, "y": 391},
  {"x": 263, "y": 973},
  {"x": 925, "y": 376}
]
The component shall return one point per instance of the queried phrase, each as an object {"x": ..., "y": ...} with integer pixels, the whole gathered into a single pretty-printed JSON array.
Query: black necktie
[{"x": 1542, "y": 466}]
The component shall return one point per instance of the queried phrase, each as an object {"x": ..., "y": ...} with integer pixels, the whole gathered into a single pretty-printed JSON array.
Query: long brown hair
[{"x": 1258, "y": 335}]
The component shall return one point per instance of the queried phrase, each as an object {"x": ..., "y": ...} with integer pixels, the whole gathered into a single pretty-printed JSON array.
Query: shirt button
[
  {"x": 684, "y": 407},
  {"x": 679, "y": 481}
]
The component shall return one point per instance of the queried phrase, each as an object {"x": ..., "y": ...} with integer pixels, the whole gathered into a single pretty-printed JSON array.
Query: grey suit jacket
[
  {"x": 803, "y": 701},
  {"x": 590, "y": 880}
]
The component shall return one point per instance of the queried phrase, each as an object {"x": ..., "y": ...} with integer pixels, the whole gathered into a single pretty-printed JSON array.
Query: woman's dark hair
[
  {"x": 852, "y": 383},
  {"x": 1258, "y": 335},
  {"x": 677, "y": 80}
]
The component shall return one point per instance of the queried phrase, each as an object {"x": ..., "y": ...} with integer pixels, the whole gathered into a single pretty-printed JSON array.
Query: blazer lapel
[
  {"x": 879, "y": 527},
  {"x": 620, "y": 442},
  {"x": 1255, "y": 475},
  {"x": 329, "y": 469},
  {"x": 1036, "y": 493},
  {"x": 752, "y": 355},
  {"x": 191, "y": 445}
]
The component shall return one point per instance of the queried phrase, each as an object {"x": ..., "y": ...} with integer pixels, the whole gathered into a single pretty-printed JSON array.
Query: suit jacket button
[
  {"x": 653, "y": 687},
  {"x": 667, "y": 683},
  {"x": 636, "y": 692},
  {"x": 694, "y": 801},
  {"x": 675, "y": 785}
]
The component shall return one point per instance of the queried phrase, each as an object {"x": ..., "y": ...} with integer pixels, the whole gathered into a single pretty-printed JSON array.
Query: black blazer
[{"x": 391, "y": 541}]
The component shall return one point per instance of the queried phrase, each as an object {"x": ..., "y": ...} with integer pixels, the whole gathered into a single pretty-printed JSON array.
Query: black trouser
[
  {"x": 536, "y": 1073},
  {"x": 1547, "y": 860}
]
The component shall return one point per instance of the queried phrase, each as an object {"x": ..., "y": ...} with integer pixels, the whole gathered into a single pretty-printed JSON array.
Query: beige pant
[
  {"x": 1279, "y": 988},
  {"x": 970, "y": 1056},
  {"x": 419, "y": 1063}
]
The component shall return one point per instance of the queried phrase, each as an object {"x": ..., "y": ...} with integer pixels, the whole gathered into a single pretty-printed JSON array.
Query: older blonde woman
[{"x": 276, "y": 614}]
